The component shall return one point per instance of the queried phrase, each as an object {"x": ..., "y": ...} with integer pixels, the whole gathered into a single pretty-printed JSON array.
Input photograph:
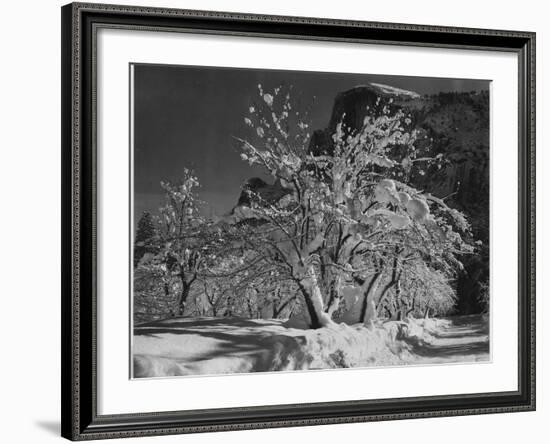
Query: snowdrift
[{"x": 199, "y": 346}]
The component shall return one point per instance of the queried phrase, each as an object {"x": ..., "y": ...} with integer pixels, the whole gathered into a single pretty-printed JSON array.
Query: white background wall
[{"x": 30, "y": 220}]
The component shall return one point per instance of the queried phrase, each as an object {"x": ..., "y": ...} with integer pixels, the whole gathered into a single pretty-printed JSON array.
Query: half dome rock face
[
  {"x": 454, "y": 125},
  {"x": 350, "y": 108}
]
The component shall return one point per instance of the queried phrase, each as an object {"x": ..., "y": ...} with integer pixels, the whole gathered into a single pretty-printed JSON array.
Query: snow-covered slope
[{"x": 184, "y": 346}]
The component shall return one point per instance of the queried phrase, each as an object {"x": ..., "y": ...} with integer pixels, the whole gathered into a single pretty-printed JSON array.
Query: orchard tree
[
  {"x": 181, "y": 235},
  {"x": 348, "y": 216},
  {"x": 154, "y": 288},
  {"x": 416, "y": 289},
  {"x": 184, "y": 240},
  {"x": 238, "y": 282}
]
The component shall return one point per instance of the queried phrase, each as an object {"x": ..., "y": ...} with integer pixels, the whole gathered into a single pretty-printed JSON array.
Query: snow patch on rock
[{"x": 392, "y": 90}]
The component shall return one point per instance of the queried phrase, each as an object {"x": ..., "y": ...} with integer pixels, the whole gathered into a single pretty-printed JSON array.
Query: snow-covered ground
[{"x": 193, "y": 346}]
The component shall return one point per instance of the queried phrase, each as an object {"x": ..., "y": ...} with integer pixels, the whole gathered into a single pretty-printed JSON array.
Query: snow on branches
[
  {"x": 347, "y": 220},
  {"x": 348, "y": 215}
]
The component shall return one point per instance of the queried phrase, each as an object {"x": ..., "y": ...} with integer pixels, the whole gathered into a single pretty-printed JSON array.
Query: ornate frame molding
[{"x": 80, "y": 420}]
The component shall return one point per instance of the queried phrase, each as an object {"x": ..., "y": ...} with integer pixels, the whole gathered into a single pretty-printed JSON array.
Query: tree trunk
[
  {"x": 384, "y": 293},
  {"x": 368, "y": 310},
  {"x": 277, "y": 310},
  {"x": 411, "y": 308},
  {"x": 275, "y": 300},
  {"x": 335, "y": 297},
  {"x": 229, "y": 307},
  {"x": 184, "y": 293},
  {"x": 185, "y": 289},
  {"x": 314, "y": 300},
  {"x": 182, "y": 298},
  {"x": 395, "y": 281},
  {"x": 250, "y": 310},
  {"x": 166, "y": 288},
  {"x": 405, "y": 304}
]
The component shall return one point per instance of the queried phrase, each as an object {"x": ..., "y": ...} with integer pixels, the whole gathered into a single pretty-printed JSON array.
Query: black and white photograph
[
  {"x": 288, "y": 220},
  {"x": 275, "y": 222}
]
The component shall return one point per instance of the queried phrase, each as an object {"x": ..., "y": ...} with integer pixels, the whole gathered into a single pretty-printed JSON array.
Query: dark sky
[{"x": 186, "y": 116}]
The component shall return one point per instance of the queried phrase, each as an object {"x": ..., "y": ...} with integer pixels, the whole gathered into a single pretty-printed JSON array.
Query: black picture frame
[{"x": 80, "y": 420}]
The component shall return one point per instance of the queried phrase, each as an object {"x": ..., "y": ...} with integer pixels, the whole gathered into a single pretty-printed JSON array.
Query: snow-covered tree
[
  {"x": 154, "y": 289},
  {"x": 184, "y": 240},
  {"x": 347, "y": 216},
  {"x": 182, "y": 234}
]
